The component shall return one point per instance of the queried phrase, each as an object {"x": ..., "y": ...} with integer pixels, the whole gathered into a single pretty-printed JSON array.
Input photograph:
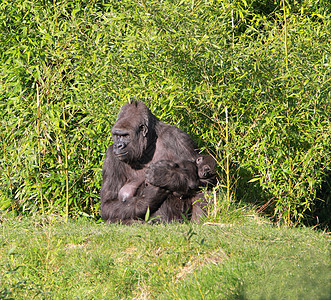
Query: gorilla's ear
[{"x": 144, "y": 130}]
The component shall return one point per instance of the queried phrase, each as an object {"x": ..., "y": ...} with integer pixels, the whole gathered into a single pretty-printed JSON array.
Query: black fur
[{"x": 149, "y": 162}]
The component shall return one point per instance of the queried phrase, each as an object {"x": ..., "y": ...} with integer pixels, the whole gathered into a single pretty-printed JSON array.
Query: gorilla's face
[
  {"x": 129, "y": 143},
  {"x": 122, "y": 143},
  {"x": 205, "y": 172},
  {"x": 130, "y": 134},
  {"x": 206, "y": 166}
]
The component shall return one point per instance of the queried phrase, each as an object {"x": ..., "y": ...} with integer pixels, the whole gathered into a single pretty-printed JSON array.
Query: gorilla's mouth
[{"x": 119, "y": 155}]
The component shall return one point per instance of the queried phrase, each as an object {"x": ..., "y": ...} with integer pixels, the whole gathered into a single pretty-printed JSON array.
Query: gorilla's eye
[
  {"x": 143, "y": 128},
  {"x": 199, "y": 160},
  {"x": 117, "y": 136}
]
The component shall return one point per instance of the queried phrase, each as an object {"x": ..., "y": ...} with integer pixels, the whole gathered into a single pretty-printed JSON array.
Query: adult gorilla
[{"x": 145, "y": 147}]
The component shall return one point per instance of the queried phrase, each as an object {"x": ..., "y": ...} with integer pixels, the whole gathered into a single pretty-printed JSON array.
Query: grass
[{"x": 83, "y": 259}]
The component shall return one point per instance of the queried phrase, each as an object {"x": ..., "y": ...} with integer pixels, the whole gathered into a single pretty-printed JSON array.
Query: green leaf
[
  {"x": 147, "y": 215},
  {"x": 254, "y": 179}
]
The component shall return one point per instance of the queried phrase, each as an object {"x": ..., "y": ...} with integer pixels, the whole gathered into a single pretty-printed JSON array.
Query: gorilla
[
  {"x": 204, "y": 168},
  {"x": 147, "y": 167},
  {"x": 190, "y": 204},
  {"x": 206, "y": 165}
]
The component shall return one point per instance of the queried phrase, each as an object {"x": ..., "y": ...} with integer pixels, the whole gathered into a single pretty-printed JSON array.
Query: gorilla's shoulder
[
  {"x": 174, "y": 138},
  {"x": 168, "y": 129}
]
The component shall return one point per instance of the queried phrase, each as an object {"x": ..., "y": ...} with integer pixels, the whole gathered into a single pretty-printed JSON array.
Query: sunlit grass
[{"x": 83, "y": 259}]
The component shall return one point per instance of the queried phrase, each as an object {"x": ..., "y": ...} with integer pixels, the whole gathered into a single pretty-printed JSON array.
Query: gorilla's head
[
  {"x": 206, "y": 167},
  {"x": 133, "y": 132}
]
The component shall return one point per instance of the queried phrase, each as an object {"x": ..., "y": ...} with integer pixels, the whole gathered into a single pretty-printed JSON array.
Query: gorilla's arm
[
  {"x": 136, "y": 207},
  {"x": 174, "y": 166},
  {"x": 181, "y": 177},
  {"x": 114, "y": 178}
]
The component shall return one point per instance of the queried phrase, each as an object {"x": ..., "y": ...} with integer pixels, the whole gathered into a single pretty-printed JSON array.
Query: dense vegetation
[{"x": 250, "y": 81}]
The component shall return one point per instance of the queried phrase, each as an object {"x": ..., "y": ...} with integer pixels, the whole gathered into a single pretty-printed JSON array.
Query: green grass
[{"x": 86, "y": 260}]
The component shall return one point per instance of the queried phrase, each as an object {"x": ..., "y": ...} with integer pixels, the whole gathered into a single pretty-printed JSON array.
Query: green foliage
[
  {"x": 248, "y": 80},
  {"x": 84, "y": 260}
]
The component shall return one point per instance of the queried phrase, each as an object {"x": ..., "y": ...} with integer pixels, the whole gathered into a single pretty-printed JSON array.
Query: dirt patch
[{"x": 215, "y": 257}]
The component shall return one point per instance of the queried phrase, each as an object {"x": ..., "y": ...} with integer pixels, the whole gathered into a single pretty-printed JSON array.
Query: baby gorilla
[
  {"x": 184, "y": 203},
  {"x": 204, "y": 168}
]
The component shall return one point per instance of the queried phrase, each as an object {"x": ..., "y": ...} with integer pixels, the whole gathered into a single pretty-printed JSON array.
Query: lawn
[{"x": 83, "y": 259}]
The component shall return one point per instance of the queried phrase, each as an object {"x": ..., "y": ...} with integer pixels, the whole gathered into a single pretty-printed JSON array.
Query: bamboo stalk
[
  {"x": 215, "y": 203},
  {"x": 288, "y": 116},
  {"x": 232, "y": 25},
  {"x": 285, "y": 35},
  {"x": 227, "y": 161},
  {"x": 39, "y": 151},
  {"x": 66, "y": 166}
]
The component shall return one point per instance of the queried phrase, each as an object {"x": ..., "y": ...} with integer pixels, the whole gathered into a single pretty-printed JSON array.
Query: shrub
[{"x": 249, "y": 81}]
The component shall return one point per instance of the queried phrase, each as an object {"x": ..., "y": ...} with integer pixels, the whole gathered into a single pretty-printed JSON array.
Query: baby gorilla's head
[{"x": 206, "y": 169}]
